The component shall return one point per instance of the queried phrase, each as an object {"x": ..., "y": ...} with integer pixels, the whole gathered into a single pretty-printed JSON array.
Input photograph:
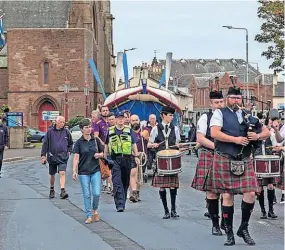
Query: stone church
[{"x": 48, "y": 43}]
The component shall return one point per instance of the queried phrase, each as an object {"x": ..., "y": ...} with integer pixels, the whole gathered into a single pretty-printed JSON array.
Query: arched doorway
[{"x": 45, "y": 106}]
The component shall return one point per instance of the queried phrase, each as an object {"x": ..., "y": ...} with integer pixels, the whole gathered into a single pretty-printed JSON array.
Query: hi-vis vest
[{"x": 120, "y": 144}]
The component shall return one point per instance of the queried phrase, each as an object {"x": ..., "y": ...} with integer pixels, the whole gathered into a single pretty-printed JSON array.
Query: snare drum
[
  {"x": 168, "y": 162},
  {"x": 267, "y": 166}
]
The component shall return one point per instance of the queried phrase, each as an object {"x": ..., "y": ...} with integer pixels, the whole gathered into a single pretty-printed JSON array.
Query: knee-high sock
[
  {"x": 228, "y": 215},
  {"x": 173, "y": 193},
  {"x": 261, "y": 200},
  {"x": 164, "y": 200},
  {"x": 213, "y": 209},
  {"x": 246, "y": 209},
  {"x": 270, "y": 196}
]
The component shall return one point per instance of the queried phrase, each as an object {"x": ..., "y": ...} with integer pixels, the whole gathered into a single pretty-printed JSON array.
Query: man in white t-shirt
[{"x": 202, "y": 178}]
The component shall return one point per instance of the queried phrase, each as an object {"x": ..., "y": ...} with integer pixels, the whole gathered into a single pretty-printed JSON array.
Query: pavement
[
  {"x": 30, "y": 221},
  {"x": 21, "y": 154}
]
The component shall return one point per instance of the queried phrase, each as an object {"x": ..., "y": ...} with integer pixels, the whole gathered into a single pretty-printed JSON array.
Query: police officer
[
  {"x": 232, "y": 169},
  {"x": 202, "y": 178},
  {"x": 120, "y": 143},
  {"x": 157, "y": 140}
]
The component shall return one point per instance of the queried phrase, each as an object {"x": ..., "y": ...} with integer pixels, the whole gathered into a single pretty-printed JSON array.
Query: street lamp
[
  {"x": 86, "y": 93},
  {"x": 125, "y": 50},
  {"x": 66, "y": 91},
  {"x": 235, "y": 28}
]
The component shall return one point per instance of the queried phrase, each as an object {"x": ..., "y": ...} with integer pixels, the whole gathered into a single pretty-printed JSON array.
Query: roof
[
  {"x": 279, "y": 89},
  {"x": 204, "y": 69},
  {"x": 35, "y": 14}
]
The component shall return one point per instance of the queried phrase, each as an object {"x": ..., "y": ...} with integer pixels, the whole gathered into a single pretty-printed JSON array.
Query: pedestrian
[
  {"x": 137, "y": 169},
  {"x": 56, "y": 148},
  {"x": 151, "y": 151},
  {"x": 202, "y": 178},
  {"x": 232, "y": 170},
  {"x": 4, "y": 140},
  {"x": 159, "y": 134},
  {"x": 87, "y": 151},
  {"x": 120, "y": 144}
]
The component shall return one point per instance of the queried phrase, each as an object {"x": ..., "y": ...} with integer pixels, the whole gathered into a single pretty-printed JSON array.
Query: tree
[{"x": 272, "y": 32}]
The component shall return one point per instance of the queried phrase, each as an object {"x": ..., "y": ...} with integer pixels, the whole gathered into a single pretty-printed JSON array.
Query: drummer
[
  {"x": 157, "y": 140},
  {"x": 265, "y": 148},
  {"x": 202, "y": 179}
]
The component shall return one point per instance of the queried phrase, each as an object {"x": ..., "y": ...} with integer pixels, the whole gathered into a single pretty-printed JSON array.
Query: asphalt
[{"x": 29, "y": 220}]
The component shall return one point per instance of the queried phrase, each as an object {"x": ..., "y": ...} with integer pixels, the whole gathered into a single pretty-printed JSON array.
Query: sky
[{"x": 188, "y": 29}]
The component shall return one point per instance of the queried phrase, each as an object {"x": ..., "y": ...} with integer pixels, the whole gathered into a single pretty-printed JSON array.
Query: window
[{"x": 46, "y": 72}]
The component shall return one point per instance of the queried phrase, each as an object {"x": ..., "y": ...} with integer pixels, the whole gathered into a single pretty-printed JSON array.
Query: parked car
[
  {"x": 75, "y": 133},
  {"x": 35, "y": 135}
]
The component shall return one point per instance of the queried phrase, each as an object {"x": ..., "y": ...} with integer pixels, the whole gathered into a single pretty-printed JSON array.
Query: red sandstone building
[{"x": 52, "y": 45}]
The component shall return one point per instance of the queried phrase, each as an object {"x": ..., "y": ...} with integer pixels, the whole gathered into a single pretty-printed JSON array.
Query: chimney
[{"x": 136, "y": 71}]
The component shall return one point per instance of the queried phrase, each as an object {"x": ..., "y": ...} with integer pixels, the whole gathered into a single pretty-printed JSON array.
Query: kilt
[
  {"x": 169, "y": 181},
  {"x": 223, "y": 181},
  {"x": 202, "y": 180}
]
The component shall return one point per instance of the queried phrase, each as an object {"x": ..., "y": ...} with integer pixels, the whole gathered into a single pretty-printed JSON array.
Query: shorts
[{"x": 56, "y": 168}]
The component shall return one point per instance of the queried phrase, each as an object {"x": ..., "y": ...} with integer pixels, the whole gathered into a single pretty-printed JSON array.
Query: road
[{"x": 30, "y": 221}]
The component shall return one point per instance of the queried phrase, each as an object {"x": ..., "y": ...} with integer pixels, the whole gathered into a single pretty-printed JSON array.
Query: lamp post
[
  {"x": 86, "y": 93},
  {"x": 246, "y": 49},
  {"x": 66, "y": 91}
]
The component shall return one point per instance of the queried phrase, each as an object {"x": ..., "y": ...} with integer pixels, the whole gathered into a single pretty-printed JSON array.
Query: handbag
[{"x": 104, "y": 168}]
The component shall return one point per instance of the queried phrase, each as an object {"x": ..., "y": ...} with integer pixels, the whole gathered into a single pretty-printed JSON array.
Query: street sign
[{"x": 50, "y": 115}]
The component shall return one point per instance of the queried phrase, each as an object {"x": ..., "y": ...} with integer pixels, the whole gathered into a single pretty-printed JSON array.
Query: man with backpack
[{"x": 56, "y": 148}]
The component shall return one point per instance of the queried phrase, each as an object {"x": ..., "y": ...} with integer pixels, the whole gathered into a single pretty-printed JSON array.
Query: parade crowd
[{"x": 229, "y": 141}]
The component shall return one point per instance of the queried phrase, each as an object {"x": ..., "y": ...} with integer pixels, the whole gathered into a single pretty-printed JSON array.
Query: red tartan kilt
[
  {"x": 202, "y": 180},
  {"x": 223, "y": 181},
  {"x": 170, "y": 181}
]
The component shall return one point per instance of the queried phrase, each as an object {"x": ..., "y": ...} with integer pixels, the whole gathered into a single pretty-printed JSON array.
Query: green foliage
[
  {"x": 272, "y": 32},
  {"x": 74, "y": 121},
  {"x": 5, "y": 108}
]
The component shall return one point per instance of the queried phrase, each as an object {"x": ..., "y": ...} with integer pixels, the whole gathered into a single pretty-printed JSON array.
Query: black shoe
[
  {"x": 174, "y": 214},
  {"x": 243, "y": 233},
  {"x": 263, "y": 214},
  {"x": 63, "y": 194},
  {"x": 51, "y": 193},
  {"x": 207, "y": 215},
  {"x": 230, "y": 238},
  {"x": 282, "y": 198},
  {"x": 272, "y": 215},
  {"x": 216, "y": 231},
  {"x": 166, "y": 216},
  {"x": 120, "y": 209}
]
